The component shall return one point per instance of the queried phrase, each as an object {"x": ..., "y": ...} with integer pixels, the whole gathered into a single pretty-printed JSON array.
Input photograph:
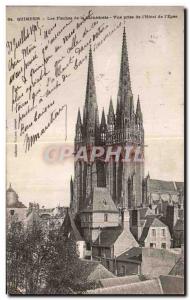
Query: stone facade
[
  {"x": 155, "y": 234},
  {"x": 163, "y": 193},
  {"x": 117, "y": 182},
  {"x": 122, "y": 128}
]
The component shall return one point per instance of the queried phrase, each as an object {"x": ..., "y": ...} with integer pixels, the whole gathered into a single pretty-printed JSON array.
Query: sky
[{"x": 155, "y": 50}]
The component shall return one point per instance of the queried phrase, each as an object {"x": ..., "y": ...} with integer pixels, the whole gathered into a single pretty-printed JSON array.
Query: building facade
[
  {"x": 102, "y": 187},
  {"x": 121, "y": 129}
]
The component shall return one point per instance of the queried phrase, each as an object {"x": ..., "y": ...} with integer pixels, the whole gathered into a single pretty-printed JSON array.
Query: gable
[
  {"x": 124, "y": 242},
  {"x": 102, "y": 200}
]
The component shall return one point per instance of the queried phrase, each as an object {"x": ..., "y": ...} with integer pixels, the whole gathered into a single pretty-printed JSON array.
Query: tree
[
  {"x": 41, "y": 262},
  {"x": 66, "y": 272},
  {"x": 14, "y": 247},
  {"x": 34, "y": 252},
  {"x": 26, "y": 248}
]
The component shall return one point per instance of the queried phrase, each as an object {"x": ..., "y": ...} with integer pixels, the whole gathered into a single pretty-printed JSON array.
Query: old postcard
[{"x": 95, "y": 150}]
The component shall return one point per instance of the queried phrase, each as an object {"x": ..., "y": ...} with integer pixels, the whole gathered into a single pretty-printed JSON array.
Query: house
[
  {"x": 129, "y": 262},
  {"x": 68, "y": 228},
  {"x": 101, "y": 213},
  {"x": 15, "y": 209},
  {"x": 49, "y": 218},
  {"x": 138, "y": 219},
  {"x": 112, "y": 241},
  {"x": 155, "y": 234}
]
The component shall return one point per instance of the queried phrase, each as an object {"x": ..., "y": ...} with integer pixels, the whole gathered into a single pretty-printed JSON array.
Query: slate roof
[
  {"x": 165, "y": 284},
  {"x": 109, "y": 282},
  {"x": 151, "y": 221},
  {"x": 95, "y": 271},
  {"x": 102, "y": 201},
  {"x": 18, "y": 204},
  {"x": 143, "y": 287},
  {"x": 10, "y": 189},
  {"x": 172, "y": 284},
  {"x": 179, "y": 226},
  {"x": 157, "y": 223},
  {"x": 108, "y": 236},
  {"x": 69, "y": 226},
  {"x": 180, "y": 185},
  {"x": 142, "y": 212},
  {"x": 161, "y": 185},
  {"x": 133, "y": 254},
  {"x": 14, "y": 203},
  {"x": 178, "y": 269}
]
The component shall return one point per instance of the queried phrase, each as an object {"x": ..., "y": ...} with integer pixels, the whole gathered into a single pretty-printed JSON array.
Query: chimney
[{"x": 125, "y": 219}]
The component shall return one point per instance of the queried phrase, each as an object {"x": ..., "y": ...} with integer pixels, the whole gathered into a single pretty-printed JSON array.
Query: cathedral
[
  {"x": 104, "y": 192},
  {"x": 122, "y": 127},
  {"x": 119, "y": 181}
]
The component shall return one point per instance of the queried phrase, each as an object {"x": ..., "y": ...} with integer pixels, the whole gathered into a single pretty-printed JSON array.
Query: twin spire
[{"x": 125, "y": 105}]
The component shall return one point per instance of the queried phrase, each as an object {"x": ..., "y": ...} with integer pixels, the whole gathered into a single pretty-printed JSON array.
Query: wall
[
  {"x": 101, "y": 252},
  {"x": 136, "y": 231},
  {"x": 127, "y": 268},
  {"x": 125, "y": 241},
  {"x": 81, "y": 247},
  {"x": 92, "y": 222},
  {"x": 98, "y": 220},
  {"x": 158, "y": 239},
  {"x": 157, "y": 261}
]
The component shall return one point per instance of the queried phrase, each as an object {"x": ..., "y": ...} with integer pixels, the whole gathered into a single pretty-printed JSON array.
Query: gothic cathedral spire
[
  {"x": 90, "y": 87},
  {"x": 125, "y": 97},
  {"x": 90, "y": 117},
  {"x": 79, "y": 122},
  {"x": 138, "y": 111}
]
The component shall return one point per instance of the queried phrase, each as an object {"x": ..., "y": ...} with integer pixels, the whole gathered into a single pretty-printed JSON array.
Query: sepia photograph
[{"x": 95, "y": 194}]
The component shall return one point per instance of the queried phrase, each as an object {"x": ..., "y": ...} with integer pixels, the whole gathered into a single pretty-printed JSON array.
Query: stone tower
[
  {"x": 124, "y": 129},
  {"x": 87, "y": 135}
]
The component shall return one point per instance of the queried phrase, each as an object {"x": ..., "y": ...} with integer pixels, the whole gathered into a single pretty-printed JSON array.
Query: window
[
  {"x": 163, "y": 231},
  {"x": 152, "y": 245},
  {"x": 134, "y": 217},
  {"x": 105, "y": 217},
  {"x": 123, "y": 270},
  {"x": 163, "y": 245},
  {"x": 12, "y": 212},
  {"x": 153, "y": 232},
  {"x": 88, "y": 246}
]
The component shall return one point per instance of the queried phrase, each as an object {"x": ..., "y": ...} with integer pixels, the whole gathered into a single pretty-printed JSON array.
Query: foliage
[
  {"x": 43, "y": 263},
  {"x": 67, "y": 274},
  {"x": 26, "y": 249}
]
